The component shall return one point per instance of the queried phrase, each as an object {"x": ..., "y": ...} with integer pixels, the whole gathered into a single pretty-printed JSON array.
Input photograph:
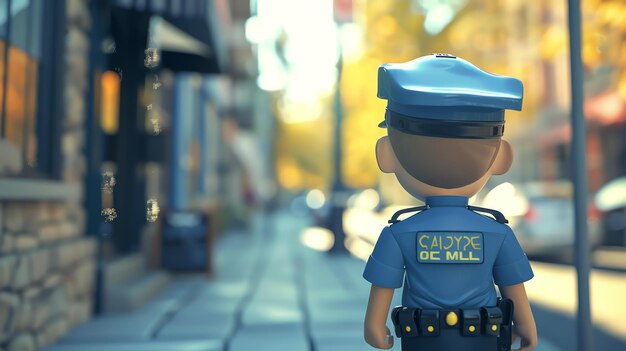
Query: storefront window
[{"x": 20, "y": 54}]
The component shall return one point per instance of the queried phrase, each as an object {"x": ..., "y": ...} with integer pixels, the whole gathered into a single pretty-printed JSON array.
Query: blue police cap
[{"x": 447, "y": 96}]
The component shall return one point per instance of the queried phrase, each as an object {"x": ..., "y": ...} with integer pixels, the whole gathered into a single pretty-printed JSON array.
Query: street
[
  {"x": 272, "y": 293},
  {"x": 553, "y": 294}
]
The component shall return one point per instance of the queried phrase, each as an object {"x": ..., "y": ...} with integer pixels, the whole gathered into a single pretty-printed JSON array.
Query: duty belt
[{"x": 493, "y": 321}]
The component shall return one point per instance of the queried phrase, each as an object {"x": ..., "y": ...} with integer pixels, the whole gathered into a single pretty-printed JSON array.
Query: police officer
[{"x": 445, "y": 120}]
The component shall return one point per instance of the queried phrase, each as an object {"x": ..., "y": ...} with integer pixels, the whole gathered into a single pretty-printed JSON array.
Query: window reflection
[{"x": 20, "y": 42}]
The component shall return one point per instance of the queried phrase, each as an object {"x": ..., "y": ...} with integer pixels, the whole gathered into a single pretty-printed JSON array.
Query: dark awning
[{"x": 186, "y": 32}]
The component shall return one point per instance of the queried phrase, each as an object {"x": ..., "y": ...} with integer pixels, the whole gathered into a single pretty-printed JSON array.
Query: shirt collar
[{"x": 443, "y": 201}]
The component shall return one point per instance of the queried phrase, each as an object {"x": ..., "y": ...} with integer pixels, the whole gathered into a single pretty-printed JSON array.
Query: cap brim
[{"x": 382, "y": 124}]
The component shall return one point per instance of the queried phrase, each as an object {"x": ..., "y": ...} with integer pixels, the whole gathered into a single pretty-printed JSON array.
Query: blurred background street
[{"x": 200, "y": 174}]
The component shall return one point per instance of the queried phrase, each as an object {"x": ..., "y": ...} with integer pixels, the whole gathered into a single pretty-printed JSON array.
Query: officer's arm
[
  {"x": 376, "y": 332},
  {"x": 522, "y": 316}
]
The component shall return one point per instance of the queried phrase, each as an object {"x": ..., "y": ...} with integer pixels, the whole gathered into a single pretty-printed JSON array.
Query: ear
[
  {"x": 504, "y": 159},
  {"x": 384, "y": 155}
]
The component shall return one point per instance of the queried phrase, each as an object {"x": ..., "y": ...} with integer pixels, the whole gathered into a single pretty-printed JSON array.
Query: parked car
[
  {"x": 611, "y": 201},
  {"x": 541, "y": 214}
]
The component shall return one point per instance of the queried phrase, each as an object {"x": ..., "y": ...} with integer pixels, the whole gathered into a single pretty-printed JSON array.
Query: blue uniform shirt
[{"x": 451, "y": 255}]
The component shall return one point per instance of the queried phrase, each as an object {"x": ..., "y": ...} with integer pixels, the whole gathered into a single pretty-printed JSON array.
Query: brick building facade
[{"x": 46, "y": 262}]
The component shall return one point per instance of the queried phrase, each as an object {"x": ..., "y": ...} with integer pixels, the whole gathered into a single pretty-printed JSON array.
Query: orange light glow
[{"x": 110, "y": 102}]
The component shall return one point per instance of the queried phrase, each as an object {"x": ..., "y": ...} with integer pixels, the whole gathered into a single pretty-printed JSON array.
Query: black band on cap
[{"x": 445, "y": 128}]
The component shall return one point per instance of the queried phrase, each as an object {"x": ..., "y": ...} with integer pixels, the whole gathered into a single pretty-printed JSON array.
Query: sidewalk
[{"x": 271, "y": 294}]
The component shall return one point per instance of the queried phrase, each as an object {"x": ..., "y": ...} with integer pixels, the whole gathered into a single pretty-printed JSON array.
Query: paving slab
[
  {"x": 264, "y": 314},
  {"x": 209, "y": 307},
  {"x": 206, "y": 329},
  {"x": 324, "y": 296},
  {"x": 270, "y": 286},
  {"x": 116, "y": 328},
  {"x": 336, "y": 313},
  {"x": 284, "y": 337},
  {"x": 223, "y": 289},
  {"x": 333, "y": 331},
  {"x": 341, "y": 301},
  {"x": 154, "y": 310},
  {"x": 179, "y": 287},
  {"x": 212, "y": 345}
]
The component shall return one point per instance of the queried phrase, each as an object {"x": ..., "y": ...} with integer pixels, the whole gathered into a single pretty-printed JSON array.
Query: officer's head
[
  {"x": 427, "y": 166},
  {"x": 445, "y": 120}
]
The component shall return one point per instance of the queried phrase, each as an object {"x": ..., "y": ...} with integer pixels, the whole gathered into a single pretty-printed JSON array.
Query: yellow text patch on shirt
[{"x": 450, "y": 247}]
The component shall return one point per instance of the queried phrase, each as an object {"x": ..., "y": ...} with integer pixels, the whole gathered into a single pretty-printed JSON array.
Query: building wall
[{"x": 46, "y": 263}]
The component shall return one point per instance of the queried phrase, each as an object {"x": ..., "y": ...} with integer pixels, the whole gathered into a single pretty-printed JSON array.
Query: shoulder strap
[
  {"x": 499, "y": 217},
  {"x": 394, "y": 218}
]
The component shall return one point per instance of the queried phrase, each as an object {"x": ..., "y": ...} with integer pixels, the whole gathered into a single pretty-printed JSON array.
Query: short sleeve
[
  {"x": 511, "y": 266},
  {"x": 385, "y": 266}
]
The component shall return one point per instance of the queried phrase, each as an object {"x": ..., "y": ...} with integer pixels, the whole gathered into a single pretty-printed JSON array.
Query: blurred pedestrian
[{"x": 254, "y": 189}]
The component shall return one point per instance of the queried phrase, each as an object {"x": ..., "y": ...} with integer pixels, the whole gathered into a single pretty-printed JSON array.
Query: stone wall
[
  {"x": 46, "y": 273},
  {"x": 47, "y": 263}
]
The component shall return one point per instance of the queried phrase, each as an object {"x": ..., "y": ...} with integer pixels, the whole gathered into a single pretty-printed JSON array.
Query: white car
[{"x": 541, "y": 214}]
